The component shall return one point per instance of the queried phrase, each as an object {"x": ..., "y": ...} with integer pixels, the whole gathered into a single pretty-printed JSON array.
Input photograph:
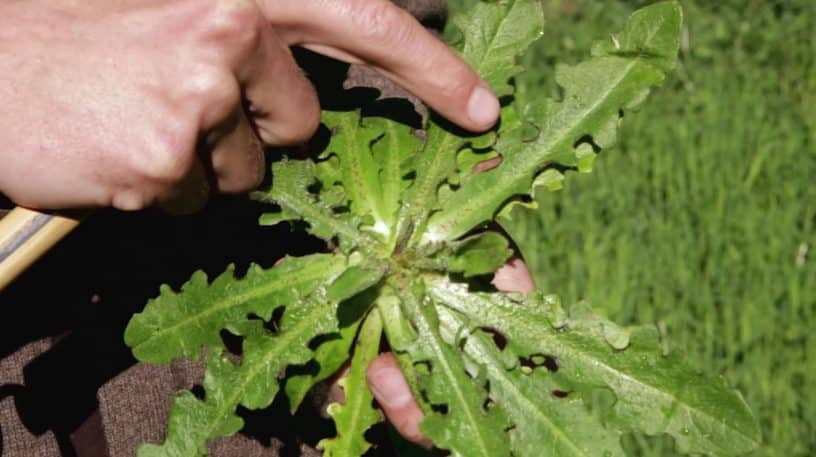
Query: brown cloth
[{"x": 68, "y": 386}]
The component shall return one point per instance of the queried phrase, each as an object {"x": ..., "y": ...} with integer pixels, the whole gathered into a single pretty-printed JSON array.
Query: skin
[{"x": 136, "y": 103}]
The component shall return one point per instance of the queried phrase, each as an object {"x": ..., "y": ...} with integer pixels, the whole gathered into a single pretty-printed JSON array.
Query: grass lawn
[{"x": 703, "y": 219}]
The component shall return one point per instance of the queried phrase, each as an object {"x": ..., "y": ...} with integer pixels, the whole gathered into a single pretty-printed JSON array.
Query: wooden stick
[{"x": 26, "y": 235}]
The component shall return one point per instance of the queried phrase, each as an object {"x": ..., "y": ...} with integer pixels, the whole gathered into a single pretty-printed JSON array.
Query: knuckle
[
  {"x": 381, "y": 21},
  {"x": 238, "y": 23},
  {"x": 130, "y": 199},
  {"x": 457, "y": 85},
  {"x": 212, "y": 84},
  {"x": 166, "y": 159},
  {"x": 216, "y": 94}
]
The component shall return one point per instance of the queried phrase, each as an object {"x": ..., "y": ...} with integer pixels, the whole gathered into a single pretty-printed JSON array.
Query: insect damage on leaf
[{"x": 408, "y": 218}]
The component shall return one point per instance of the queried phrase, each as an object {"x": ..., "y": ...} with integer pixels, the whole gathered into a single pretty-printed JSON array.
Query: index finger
[{"x": 382, "y": 35}]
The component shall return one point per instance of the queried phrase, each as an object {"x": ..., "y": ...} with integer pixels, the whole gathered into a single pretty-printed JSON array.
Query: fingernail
[
  {"x": 483, "y": 107},
  {"x": 390, "y": 387}
]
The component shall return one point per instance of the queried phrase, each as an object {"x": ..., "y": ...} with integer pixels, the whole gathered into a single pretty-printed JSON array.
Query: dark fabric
[
  {"x": 50, "y": 367},
  {"x": 17, "y": 439}
]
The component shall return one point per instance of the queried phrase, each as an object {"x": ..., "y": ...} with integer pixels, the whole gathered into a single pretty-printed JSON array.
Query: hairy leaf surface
[
  {"x": 469, "y": 427},
  {"x": 332, "y": 352},
  {"x": 656, "y": 393},
  {"x": 290, "y": 188},
  {"x": 595, "y": 94},
  {"x": 180, "y": 324},
  {"x": 546, "y": 420},
  {"x": 356, "y": 414},
  {"x": 494, "y": 35}
]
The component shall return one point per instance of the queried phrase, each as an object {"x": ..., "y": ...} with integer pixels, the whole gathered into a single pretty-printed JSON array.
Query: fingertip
[
  {"x": 483, "y": 108},
  {"x": 514, "y": 276},
  {"x": 388, "y": 383},
  {"x": 393, "y": 394}
]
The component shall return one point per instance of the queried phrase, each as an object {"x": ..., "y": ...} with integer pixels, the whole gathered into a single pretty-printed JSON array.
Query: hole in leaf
[
  {"x": 378, "y": 433},
  {"x": 488, "y": 404},
  {"x": 319, "y": 142},
  {"x": 342, "y": 209},
  {"x": 539, "y": 360},
  {"x": 320, "y": 339},
  {"x": 315, "y": 187},
  {"x": 310, "y": 368},
  {"x": 232, "y": 342},
  {"x": 587, "y": 139},
  {"x": 422, "y": 368},
  {"x": 498, "y": 338},
  {"x": 551, "y": 364},
  {"x": 198, "y": 391},
  {"x": 441, "y": 409},
  {"x": 274, "y": 323}
]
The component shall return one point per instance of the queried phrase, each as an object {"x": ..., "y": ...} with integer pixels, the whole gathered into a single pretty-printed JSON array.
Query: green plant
[{"x": 408, "y": 217}]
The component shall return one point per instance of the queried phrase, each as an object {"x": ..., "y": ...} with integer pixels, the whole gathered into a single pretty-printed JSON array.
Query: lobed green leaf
[
  {"x": 356, "y": 415},
  {"x": 656, "y": 393},
  {"x": 494, "y": 35},
  {"x": 180, "y": 324},
  {"x": 586, "y": 118},
  {"x": 469, "y": 427}
]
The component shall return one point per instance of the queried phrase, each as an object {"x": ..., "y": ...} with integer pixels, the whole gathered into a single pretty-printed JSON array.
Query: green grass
[{"x": 703, "y": 219}]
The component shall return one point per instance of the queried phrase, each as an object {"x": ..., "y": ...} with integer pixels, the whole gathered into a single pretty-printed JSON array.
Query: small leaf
[
  {"x": 332, "y": 352},
  {"x": 481, "y": 254},
  {"x": 356, "y": 414},
  {"x": 291, "y": 181}
]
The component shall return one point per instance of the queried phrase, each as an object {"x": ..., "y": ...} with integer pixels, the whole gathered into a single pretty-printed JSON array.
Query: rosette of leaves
[{"x": 497, "y": 375}]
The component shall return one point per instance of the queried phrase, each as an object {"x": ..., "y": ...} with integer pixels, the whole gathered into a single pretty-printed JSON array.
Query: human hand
[{"x": 142, "y": 102}]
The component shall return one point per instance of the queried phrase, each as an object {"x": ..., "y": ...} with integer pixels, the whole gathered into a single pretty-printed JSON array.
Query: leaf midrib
[
  {"x": 434, "y": 341},
  {"x": 311, "y": 212},
  {"x": 282, "y": 341},
  {"x": 591, "y": 361},
  {"x": 528, "y": 405},
  {"x": 587, "y": 359},
  {"x": 564, "y": 133},
  {"x": 317, "y": 272},
  {"x": 427, "y": 184}
]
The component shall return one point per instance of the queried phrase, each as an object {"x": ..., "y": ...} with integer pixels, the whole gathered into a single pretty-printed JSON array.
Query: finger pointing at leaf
[{"x": 380, "y": 34}]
